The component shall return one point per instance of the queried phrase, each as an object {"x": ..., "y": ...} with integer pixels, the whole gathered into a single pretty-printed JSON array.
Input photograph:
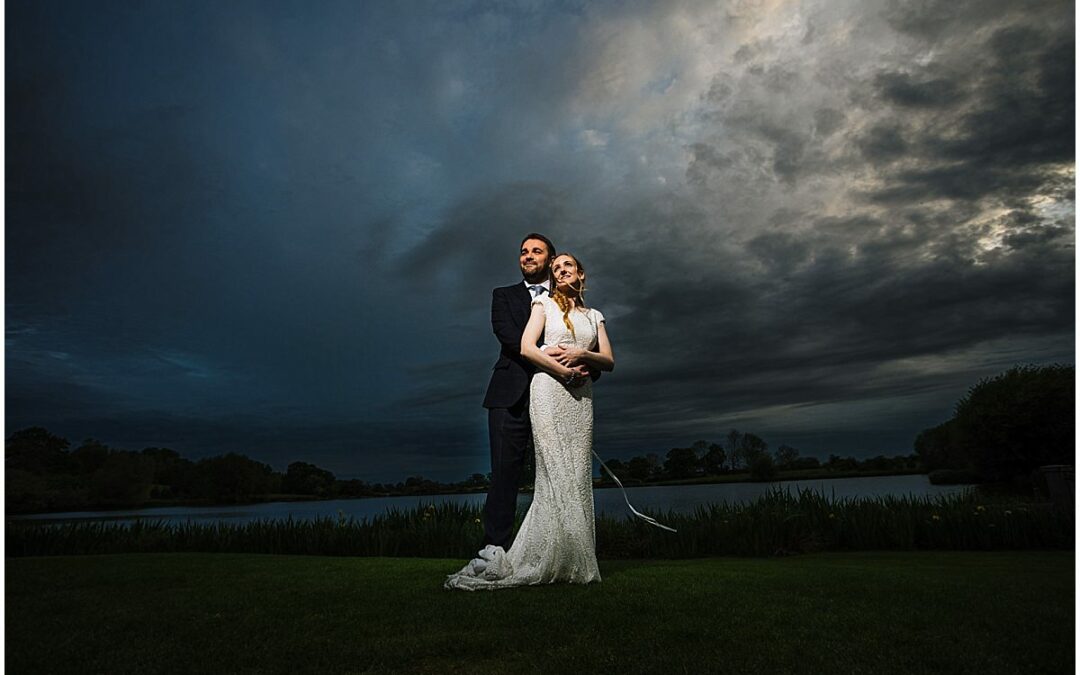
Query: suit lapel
[{"x": 522, "y": 302}]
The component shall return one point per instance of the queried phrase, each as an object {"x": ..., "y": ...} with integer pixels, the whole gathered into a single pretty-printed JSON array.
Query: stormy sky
[{"x": 273, "y": 228}]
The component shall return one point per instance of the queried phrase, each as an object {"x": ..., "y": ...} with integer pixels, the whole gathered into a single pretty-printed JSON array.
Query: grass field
[{"x": 857, "y": 612}]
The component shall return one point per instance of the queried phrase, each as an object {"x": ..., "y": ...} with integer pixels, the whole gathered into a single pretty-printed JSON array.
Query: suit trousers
[{"x": 510, "y": 435}]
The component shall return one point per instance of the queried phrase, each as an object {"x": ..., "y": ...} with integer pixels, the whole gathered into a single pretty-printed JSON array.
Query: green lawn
[{"x": 862, "y": 612}]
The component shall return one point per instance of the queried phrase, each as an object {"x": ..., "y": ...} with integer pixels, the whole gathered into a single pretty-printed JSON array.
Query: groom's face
[{"x": 534, "y": 260}]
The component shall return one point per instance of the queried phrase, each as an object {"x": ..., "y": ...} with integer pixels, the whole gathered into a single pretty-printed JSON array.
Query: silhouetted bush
[{"x": 1008, "y": 425}]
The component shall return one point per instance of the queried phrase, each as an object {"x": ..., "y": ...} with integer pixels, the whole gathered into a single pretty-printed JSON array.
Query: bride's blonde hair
[{"x": 561, "y": 298}]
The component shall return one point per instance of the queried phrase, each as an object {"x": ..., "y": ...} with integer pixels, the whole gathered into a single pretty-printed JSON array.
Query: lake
[{"x": 659, "y": 498}]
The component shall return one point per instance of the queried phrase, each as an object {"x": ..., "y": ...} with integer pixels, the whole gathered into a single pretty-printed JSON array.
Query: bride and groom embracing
[{"x": 552, "y": 347}]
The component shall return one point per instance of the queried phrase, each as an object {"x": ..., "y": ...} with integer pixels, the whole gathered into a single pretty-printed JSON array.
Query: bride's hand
[
  {"x": 581, "y": 374},
  {"x": 570, "y": 356}
]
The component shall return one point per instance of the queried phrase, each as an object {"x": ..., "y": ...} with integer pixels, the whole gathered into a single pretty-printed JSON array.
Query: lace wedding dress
[{"x": 557, "y": 538}]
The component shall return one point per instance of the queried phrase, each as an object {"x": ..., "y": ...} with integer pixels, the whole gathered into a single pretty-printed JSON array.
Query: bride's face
[{"x": 568, "y": 275}]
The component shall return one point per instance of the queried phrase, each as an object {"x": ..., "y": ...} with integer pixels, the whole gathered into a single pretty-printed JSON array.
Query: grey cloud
[
  {"x": 1036, "y": 236},
  {"x": 883, "y": 143},
  {"x": 1005, "y": 141},
  {"x": 900, "y": 88},
  {"x": 706, "y": 160},
  {"x": 827, "y": 121},
  {"x": 782, "y": 251},
  {"x": 477, "y": 238},
  {"x": 942, "y": 20}
]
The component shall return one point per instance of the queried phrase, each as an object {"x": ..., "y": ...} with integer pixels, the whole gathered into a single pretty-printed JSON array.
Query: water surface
[{"x": 658, "y": 499}]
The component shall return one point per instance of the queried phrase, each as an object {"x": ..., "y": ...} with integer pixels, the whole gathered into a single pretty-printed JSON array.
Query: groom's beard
[{"x": 536, "y": 277}]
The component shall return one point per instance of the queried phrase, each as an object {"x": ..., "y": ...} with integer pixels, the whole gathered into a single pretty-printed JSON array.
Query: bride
[{"x": 557, "y": 538}]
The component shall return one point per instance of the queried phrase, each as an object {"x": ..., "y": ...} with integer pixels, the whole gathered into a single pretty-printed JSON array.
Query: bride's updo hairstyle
[{"x": 560, "y": 298}]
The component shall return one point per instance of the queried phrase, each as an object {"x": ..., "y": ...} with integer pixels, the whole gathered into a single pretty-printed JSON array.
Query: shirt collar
[{"x": 546, "y": 283}]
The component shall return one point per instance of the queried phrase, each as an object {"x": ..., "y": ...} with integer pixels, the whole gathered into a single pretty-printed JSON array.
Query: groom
[{"x": 507, "y": 398}]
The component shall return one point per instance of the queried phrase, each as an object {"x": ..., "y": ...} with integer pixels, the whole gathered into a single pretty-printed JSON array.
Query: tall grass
[
  {"x": 781, "y": 523},
  {"x": 777, "y": 523}
]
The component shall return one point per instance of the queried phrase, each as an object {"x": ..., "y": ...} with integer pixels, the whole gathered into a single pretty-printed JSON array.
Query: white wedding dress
[{"x": 557, "y": 538}]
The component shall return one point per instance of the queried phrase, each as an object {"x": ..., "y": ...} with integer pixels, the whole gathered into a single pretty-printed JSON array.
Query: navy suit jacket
[{"x": 510, "y": 309}]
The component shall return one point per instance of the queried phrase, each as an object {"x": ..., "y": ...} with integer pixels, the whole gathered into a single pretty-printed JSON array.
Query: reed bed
[{"x": 777, "y": 523}]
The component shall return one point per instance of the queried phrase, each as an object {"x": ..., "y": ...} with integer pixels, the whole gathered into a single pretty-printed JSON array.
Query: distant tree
[
  {"x": 639, "y": 468},
  {"x": 420, "y": 485},
  {"x": 838, "y": 463},
  {"x": 25, "y": 492},
  {"x": 161, "y": 455},
  {"x": 747, "y": 447},
  {"x": 714, "y": 459},
  {"x": 302, "y": 478},
  {"x": 878, "y": 463},
  {"x": 940, "y": 448},
  {"x": 123, "y": 480},
  {"x": 181, "y": 476},
  {"x": 753, "y": 445},
  {"x": 477, "y": 480},
  {"x": 1007, "y": 425},
  {"x": 681, "y": 463},
  {"x": 786, "y": 456},
  {"x": 617, "y": 467},
  {"x": 89, "y": 457},
  {"x": 235, "y": 477},
  {"x": 36, "y": 450},
  {"x": 353, "y": 487},
  {"x": 733, "y": 445},
  {"x": 762, "y": 467},
  {"x": 1019, "y": 420},
  {"x": 806, "y": 463},
  {"x": 164, "y": 462}
]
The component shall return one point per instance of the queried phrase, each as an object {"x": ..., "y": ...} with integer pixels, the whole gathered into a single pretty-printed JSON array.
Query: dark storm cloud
[
  {"x": 821, "y": 223},
  {"x": 1005, "y": 142},
  {"x": 940, "y": 20},
  {"x": 903, "y": 90},
  {"x": 883, "y": 143},
  {"x": 476, "y": 241}
]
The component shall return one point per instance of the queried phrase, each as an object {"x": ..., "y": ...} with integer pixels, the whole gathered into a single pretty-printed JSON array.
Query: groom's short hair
[{"x": 537, "y": 235}]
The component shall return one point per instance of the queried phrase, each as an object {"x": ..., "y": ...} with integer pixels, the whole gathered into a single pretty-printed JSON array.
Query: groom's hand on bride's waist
[
  {"x": 554, "y": 351},
  {"x": 582, "y": 373}
]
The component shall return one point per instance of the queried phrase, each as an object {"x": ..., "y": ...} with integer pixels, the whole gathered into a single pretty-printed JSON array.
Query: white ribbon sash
[{"x": 647, "y": 519}]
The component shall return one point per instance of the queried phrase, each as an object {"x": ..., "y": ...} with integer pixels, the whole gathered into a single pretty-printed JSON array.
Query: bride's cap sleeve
[
  {"x": 599, "y": 316},
  {"x": 538, "y": 300}
]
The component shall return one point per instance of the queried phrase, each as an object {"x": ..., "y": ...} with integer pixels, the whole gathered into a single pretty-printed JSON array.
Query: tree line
[
  {"x": 43, "y": 475},
  {"x": 1000, "y": 431},
  {"x": 741, "y": 452}
]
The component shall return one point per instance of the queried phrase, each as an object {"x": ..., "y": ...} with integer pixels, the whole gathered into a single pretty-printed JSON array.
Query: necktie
[{"x": 537, "y": 290}]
